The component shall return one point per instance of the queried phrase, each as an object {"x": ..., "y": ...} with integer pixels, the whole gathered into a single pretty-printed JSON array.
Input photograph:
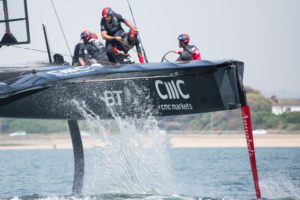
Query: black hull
[{"x": 129, "y": 91}]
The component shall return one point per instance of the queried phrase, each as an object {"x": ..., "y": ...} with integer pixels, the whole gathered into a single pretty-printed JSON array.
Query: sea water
[
  {"x": 219, "y": 173},
  {"x": 136, "y": 162}
]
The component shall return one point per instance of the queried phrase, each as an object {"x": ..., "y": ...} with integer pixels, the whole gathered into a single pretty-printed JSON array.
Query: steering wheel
[{"x": 164, "y": 57}]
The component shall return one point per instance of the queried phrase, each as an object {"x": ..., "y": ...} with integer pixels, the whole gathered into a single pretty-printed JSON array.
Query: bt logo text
[{"x": 112, "y": 98}]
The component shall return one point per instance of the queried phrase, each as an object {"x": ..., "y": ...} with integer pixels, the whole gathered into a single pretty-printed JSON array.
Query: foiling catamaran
[{"x": 47, "y": 92}]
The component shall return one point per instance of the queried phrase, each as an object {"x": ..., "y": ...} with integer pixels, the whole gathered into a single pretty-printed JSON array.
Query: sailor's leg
[{"x": 110, "y": 51}]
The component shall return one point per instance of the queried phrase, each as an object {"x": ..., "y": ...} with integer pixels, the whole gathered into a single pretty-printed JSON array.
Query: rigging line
[
  {"x": 43, "y": 51},
  {"x": 131, "y": 12},
  {"x": 38, "y": 50},
  {"x": 146, "y": 59},
  {"x": 61, "y": 28}
]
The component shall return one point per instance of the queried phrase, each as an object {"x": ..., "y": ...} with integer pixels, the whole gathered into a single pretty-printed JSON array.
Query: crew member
[
  {"x": 128, "y": 41},
  {"x": 75, "y": 58},
  {"x": 91, "y": 51},
  {"x": 190, "y": 52},
  {"x": 111, "y": 30}
]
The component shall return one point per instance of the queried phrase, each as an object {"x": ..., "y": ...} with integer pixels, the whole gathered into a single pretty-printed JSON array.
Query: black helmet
[
  {"x": 184, "y": 38},
  {"x": 107, "y": 12}
]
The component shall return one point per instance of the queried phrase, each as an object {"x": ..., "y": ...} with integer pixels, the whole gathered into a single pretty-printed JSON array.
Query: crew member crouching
[
  {"x": 122, "y": 47},
  {"x": 91, "y": 51}
]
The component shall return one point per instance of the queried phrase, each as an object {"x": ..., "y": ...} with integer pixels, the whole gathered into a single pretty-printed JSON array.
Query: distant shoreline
[{"x": 63, "y": 141}]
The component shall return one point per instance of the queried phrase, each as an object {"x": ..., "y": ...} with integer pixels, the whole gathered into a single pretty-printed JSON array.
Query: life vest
[{"x": 191, "y": 52}]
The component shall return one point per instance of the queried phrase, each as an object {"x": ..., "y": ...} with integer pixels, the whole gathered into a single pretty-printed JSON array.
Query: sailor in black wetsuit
[
  {"x": 111, "y": 30},
  {"x": 91, "y": 51},
  {"x": 75, "y": 58},
  {"x": 129, "y": 40},
  {"x": 190, "y": 52}
]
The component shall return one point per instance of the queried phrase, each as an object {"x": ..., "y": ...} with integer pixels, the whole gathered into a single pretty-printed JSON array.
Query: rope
[
  {"x": 61, "y": 28},
  {"x": 43, "y": 51},
  {"x": 139, "y": 38},
  {"x": 38, "y": 50}
]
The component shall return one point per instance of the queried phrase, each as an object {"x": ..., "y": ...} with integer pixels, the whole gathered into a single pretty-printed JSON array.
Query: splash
[
  {"x": 279, "y": 186},
  {"x": 112, "y": 197},
  {"x": 134, "y": 159}
]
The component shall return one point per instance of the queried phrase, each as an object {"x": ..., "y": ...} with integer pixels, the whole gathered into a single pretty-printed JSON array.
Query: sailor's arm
[
  {"x": 82, "y": 55},
  {"x": 116, "y": 50},
  {"x": 105, "y": 36},
  {"x": 81, "y": 61},
  {"x": 196, "y": 54},
  {"x": 130, "y": 25},
  {"x": 177, "y": 51},
  {"x": 125, "y": 21}
]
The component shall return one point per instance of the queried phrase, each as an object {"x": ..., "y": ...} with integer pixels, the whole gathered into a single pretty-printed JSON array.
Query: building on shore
[{"x": 281, "y": 106}]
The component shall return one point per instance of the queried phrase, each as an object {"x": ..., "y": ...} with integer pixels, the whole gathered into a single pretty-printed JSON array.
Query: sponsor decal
[
  {"x": 112, "y": 98},
  {"x": 172, "y": 89},
  {"x": 247, "y": 127},
  {"x": 169, "y": 90},
  {"x": 71, "y": 71},
  {"x": 180, "y": 106}
]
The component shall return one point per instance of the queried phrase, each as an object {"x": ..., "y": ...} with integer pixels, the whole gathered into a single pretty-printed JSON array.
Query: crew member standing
[
  {"x": 190, "y": 52},
  {"x": 111, "y": 30}
]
